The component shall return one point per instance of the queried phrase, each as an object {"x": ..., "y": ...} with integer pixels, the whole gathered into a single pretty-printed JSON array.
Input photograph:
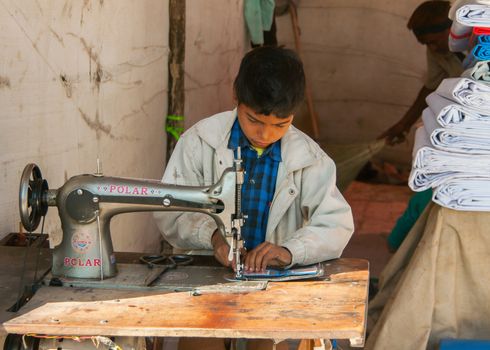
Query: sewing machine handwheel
[{"x": 32, "y": 197}]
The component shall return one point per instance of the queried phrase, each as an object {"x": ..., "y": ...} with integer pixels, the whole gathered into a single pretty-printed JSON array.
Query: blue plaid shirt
[{"x": 258, "y": 187}]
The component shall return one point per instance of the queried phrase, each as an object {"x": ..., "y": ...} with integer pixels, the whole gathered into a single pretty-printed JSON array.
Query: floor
[{"x": 375, "y": 208}]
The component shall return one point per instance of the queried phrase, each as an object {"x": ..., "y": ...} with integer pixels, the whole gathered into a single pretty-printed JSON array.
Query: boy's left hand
[{"x": 267, "y": 254}]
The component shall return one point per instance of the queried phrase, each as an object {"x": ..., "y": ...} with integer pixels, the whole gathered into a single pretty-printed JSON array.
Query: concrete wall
[
  {"x": 87, "y": 79},
  {"x": 81, "y": 80},
  {"x": 363, "y": 65},
  {"x": 215, "y": 43}
]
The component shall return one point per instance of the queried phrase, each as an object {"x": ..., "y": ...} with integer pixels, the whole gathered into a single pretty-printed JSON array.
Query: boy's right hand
[{"x": 221, "y": 249}]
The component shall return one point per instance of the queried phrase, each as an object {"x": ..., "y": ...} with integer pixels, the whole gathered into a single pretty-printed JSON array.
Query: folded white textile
[
  {"x": 432, "y": 167},
  {"x": 467, "y": 92},
  {"x": 464, "y": 194},
  {"x": 459, "y": 37},
  {"x": 456, "y": 139},
  {"x": 421, "y": 140},
  {"x": 480, "y": 72},
  {"x": 474, "y": 15},
  {"x": 458, "y": 3},
  {"x": 444, "y": 167},
  {"x": 450, "y": 114},
  {"x": 430, "y": 121},
  {"x": 469, "y": 61},
  {"x": 461, "y": 141}
]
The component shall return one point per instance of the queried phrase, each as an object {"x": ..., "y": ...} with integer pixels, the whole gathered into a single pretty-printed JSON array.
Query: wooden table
[{"x": 333, "y": 308}]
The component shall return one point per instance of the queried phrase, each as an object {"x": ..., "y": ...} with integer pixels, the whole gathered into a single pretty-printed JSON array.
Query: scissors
[{"x": 161, "y": 263}]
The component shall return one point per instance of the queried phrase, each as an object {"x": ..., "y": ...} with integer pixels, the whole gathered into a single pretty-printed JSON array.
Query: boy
[{"x": 296, "y": 215}]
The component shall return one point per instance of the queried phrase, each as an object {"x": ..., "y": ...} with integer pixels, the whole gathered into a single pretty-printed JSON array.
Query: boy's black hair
[{"x": 270, "y": 80}]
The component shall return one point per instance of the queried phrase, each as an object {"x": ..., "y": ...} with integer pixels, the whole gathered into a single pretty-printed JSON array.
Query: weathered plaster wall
[
  {"x": 81, "y": 80},
  {"x": 364, "y": 66},
  {"x": 216, "y": 40},
  {"x": 87, "y": 79}
]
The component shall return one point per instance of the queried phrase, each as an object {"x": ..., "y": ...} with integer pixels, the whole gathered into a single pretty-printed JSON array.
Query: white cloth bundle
[
  {"x": 480, "y": 72},
  {"x": 456, "y": 139},
  {"x": 450, "y": 114},
  {"x": 474, "y": 15},
  {"x": 467, "y": 92},
  {"x": 469, "y": 61},
  {"x": 432, "y": 167},
  {"x": 464, "y": 194},
  {"x": 459, "y": 37},
  {"x": 430, "y": 122},
  {"x": 459, "y": 3},
  {"x": 421, "y": 140}
]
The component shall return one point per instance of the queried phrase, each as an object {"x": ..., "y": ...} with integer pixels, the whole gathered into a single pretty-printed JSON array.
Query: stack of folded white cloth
[
  {"x": 452, "y": 149},
  {"x": 432, "y": 167}
]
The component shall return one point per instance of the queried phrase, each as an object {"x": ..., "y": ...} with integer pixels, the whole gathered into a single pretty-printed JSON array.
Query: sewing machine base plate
[{"x": 132, "y": 277}]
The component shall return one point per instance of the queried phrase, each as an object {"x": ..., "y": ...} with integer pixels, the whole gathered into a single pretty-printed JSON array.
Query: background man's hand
[
  {"x": 395, "y": 134},
  {"x": 267, "y": 254},
  {"x": 398, "y": 132}
]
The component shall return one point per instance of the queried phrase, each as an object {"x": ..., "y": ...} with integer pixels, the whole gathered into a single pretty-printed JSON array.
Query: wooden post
[{"x": 174, "y": 124}]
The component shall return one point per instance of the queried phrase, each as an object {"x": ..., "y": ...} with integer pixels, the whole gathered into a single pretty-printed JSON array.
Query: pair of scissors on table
[{"x": 160, "y": 263}]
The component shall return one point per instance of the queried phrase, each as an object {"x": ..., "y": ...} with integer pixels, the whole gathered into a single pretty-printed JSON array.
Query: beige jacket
[{"x": 308, "y": 214}]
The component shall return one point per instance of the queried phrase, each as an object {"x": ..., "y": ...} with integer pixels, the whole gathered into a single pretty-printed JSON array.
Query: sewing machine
[{"x": 86, "y": 204}]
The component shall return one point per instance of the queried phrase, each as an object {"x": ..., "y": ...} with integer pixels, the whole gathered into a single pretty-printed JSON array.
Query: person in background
[
  {"x": 430, "y": 25},
  {"x": 296, "y": 214},
  {"x": 416, "y": 205}
]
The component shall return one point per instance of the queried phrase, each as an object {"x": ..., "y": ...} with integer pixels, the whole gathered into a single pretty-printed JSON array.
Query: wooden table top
[{"x": 334, "y": 308}]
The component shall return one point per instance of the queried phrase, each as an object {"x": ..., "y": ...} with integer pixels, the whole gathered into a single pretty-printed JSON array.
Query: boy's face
[
  {"x": 262, "y": 130},
  {"x": 436, "y": 42}
]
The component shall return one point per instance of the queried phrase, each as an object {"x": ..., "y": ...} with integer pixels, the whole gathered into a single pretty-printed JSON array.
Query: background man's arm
[{"x": 396, "y": 133}]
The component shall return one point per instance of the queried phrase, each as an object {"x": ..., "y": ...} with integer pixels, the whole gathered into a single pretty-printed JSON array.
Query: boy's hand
[
  {"x": 221, "y": 249},
  {"x": 267, "y": 254}
]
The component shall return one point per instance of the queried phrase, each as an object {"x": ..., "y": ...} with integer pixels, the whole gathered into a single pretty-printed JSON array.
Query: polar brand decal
[
  {"x": 131, "y": 190},
  {"x": 126, "y": 190},
  {"x": 81, "y": 242},
  {"x": 78, "y": 262}
]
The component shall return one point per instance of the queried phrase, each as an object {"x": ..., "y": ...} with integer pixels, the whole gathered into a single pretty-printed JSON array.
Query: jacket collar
[
  {"x": 238, "y": 139},
  {"x": 297, "y": 150}
]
